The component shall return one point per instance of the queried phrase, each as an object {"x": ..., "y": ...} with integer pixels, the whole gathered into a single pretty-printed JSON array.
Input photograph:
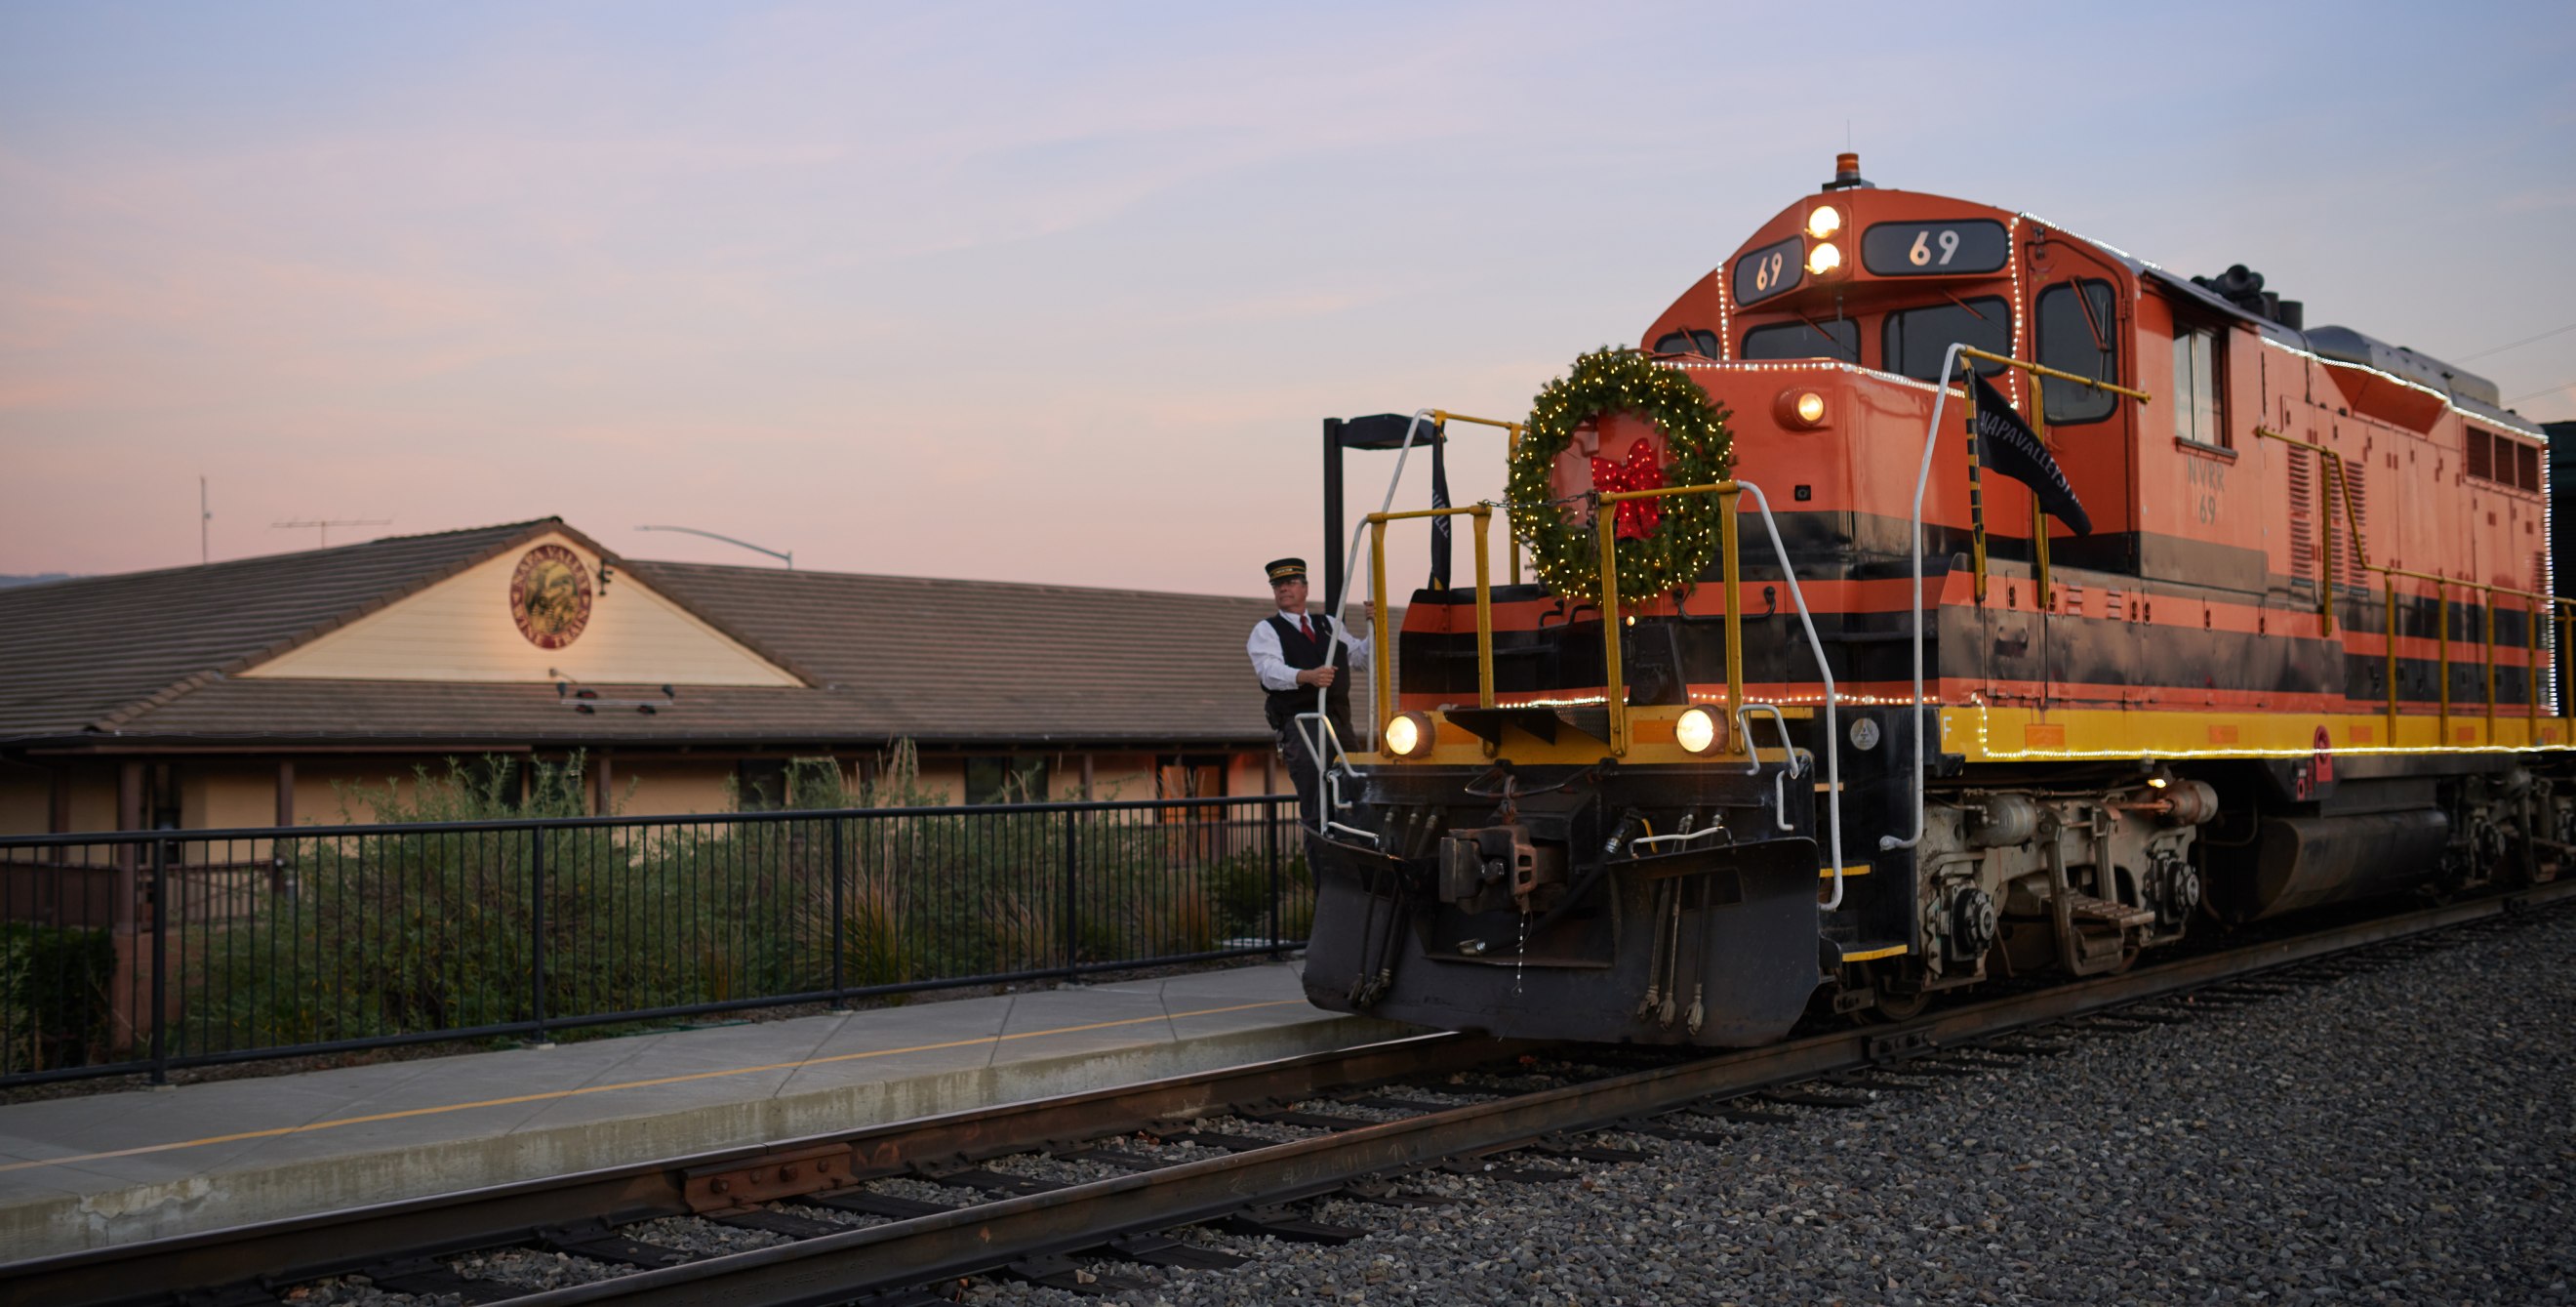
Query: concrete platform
[{"x": 108, "y": 1169}]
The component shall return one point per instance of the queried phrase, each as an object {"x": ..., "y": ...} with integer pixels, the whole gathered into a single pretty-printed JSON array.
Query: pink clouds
[{"x": 938, "y": 291}]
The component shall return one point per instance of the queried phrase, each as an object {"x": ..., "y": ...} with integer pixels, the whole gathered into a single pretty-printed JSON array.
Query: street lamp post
[{"x": 788, "y": 557}]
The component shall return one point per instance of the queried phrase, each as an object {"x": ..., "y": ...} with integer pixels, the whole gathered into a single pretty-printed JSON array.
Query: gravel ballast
[{"x": 2402, "y": 1135}]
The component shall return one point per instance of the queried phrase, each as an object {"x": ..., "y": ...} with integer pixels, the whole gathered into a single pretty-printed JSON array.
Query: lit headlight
[
  {"x": 1408, "y": 734},
  {"x": 1800, "y": 409},
  {"x": 1825, "y": 221},
  {"x": 1697, "y": 730},
  {"x": 1824, "y": 258}
]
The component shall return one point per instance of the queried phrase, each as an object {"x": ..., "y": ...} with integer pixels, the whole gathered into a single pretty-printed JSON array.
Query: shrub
[
  {"x": 53, "y": 995},
  {"x": 430, "y": 931}
]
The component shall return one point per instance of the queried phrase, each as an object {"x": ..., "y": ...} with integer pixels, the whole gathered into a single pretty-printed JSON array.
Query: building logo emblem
[{"x": 550, "y": 596}]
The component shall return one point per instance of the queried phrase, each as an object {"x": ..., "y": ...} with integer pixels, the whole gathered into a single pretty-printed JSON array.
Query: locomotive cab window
[
  {"x": 1689, "y": 341},
  {"x": 1838, "y": 339},
  {"x": 2075, "y": 326},
  {"x": 2196, "y": 388},
  {"x": 1916, "y": 339}
]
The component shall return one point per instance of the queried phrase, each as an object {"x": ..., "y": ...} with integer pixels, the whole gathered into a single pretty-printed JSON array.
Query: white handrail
[
  {"x": 1328, "y": 785},
  {"x": 1753, "y": 752},
  {"x": 1342, "y": 596},
  {"x": 1922, "y": 479},
  {"x": 1824, "y": 670}
]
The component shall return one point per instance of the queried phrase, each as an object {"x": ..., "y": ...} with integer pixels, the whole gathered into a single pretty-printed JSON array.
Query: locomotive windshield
[
  {"x": 1916, "y": 339},
  {"x": 1838, "y": 339}
]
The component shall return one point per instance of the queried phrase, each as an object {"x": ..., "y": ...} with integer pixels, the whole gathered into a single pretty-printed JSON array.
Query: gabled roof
[
  {"x": 84, "y": 654},
  {"x": 928, "y": 659},
  {"x": 155, "y": 656}
]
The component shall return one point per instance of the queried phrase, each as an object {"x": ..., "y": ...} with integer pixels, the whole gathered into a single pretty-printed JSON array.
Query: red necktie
[{"x": 1306, "y": 626}]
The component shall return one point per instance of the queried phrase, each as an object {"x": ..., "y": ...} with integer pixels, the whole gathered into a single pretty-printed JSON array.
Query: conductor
[{"x": 1293, "y": 652}]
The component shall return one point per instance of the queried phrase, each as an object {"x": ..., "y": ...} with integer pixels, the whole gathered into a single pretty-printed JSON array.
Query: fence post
[
  {"x": 839, "y": 913},
  {"x": 1270, "y": 838},
  {"x": 1071, "y": 873},
  {"x": 537, "y": 929},
  {"x": 160, "y": 961}
]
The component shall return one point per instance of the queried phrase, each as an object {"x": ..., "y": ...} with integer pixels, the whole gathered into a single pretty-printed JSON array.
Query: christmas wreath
[{"x": 1664, "y": 544}]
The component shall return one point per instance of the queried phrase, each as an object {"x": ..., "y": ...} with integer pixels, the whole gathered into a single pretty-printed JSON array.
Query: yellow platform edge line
[
  {"x": 1875, "y": 954},
  {"x": 1857, "y": 869}
]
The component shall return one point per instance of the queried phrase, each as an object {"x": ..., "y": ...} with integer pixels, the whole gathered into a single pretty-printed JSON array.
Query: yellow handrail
[
  {"x": 1605, "y": 531},
  {"x": 1510, "y": 449},
  {"x": 2046, "y": 371},
  {"x": 2039, "y": 428},
  {"x": 2341, "y": 490},
  {"x": 2487, "y": 592},
  {"x": 1381, "y": 667},
  {"x": 2390, "y": 582}
]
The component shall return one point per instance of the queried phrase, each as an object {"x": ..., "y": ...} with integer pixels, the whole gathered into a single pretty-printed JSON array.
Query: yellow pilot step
[{"x": 1873, "y": 950}]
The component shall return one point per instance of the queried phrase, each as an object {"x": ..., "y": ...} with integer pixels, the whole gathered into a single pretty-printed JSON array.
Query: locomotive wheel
[{"x": 1889, "y": 1008}]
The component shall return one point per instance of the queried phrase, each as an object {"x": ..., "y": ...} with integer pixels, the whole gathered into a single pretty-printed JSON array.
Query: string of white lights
[
  {"x": 1725, "y": 329},
  {"x": 1802, "y": 365},
  {"x": 2012, "y": 376}
]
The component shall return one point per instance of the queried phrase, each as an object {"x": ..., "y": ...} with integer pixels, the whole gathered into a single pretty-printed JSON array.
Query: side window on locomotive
[
  {"x": 1916, "y": 339},
  {"x": 2195, "y": 386},
  {"x": 2075, "y": 336},
  {"x": 1690, "y": 340},
  {"x": 1838, "y": 339}
]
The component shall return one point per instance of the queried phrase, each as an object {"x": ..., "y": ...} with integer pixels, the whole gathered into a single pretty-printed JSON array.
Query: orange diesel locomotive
[{"x": 2199, "y": 614}]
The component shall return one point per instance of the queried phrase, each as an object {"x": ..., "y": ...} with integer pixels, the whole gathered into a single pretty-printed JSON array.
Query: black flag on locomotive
[
  {"x": 2008, "y": 445},
  {"x": 1439, "y": 499}
]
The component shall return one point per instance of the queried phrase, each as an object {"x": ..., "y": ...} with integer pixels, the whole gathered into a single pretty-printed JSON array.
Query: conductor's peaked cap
[{"x": 1286, "y": 570}]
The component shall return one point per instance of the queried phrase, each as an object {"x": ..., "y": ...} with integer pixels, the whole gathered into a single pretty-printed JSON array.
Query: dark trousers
[{"x": 1302, "y": 771}]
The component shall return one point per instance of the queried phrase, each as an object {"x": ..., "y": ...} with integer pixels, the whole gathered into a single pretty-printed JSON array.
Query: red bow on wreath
[{"x": 1636, "y": 518}]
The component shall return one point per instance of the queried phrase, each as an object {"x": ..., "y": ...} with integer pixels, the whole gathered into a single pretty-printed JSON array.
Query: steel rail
[
  {"x": 306, "y": 1248},
  {"x": 837, "y": 1267},
  {"x": 834, "y": 1268}
]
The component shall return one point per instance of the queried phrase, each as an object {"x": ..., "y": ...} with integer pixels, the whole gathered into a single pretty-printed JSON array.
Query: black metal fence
[{"x": 142, "y": 951}]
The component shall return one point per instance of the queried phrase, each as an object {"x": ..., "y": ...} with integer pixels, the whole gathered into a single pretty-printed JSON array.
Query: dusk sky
[{"x": 1061, "y": 294}]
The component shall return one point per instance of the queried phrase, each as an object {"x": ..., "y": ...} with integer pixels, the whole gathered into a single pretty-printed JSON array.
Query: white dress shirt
[{"x": 1272, "y": 666}]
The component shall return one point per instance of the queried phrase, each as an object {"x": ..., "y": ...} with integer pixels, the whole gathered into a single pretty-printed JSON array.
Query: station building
[{"x": 270, "y": 690}]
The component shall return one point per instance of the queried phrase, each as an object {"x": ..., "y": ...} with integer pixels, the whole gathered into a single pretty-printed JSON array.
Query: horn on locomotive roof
[
  {"x": 1847, "y": 173},
  {"x": 2243, "y": 287}
]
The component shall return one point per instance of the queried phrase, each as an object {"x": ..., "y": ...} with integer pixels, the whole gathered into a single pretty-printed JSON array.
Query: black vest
[{"x": 1282, "y": 706}]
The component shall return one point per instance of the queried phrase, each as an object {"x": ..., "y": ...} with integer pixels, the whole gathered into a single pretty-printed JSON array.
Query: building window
[
  {"x": 1916, "y": 339},
  {"x": 2075, "y": 326},
  {"x": 1189, "y": 776},
  {"x": 1838, "y": 339},
  {"x": 760, "y": 785},
  {"x": 2195, "y": 387},
  {"x": 1000, "y": 779}
]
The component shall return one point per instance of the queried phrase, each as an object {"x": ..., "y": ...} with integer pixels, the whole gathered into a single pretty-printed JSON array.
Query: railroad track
[{"x": 807, "y": 1191}]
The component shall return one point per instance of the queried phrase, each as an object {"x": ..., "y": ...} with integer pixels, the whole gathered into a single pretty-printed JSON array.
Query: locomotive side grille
[
  {"x": 2481, "y": 455},
  {"x": 2359, "y": 528},
  {"x": 2303, "y": 529}
]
